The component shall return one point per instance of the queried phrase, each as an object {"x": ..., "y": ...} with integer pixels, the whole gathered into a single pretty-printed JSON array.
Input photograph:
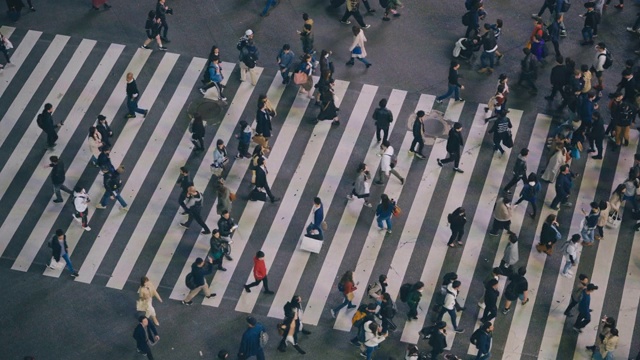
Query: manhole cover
[
  {"x": 210, "y": 110},
  {"x": 434, "y": 127}
]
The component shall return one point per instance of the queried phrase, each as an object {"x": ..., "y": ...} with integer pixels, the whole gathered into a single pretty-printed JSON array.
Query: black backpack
[
  {"x": 190, "y": 281},
  {"x": 404, "y": 292},
  {"x": 608, "y": 61},
  {"x": 467, "y": 18},
  {"x": 248, "y": 59},
  {"x": 39, "y": 121},
  {"x": 475, "y": 337}
]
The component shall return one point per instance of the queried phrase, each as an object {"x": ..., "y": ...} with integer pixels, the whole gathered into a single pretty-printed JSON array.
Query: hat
[
  {"x": 249, "y": 32},
  {"x": 589, "y": 4},
  {"x": 251, "y": 320},
  {"x": 592, "y": 287},
  {"x": 101, "y": 117},
  {"x": 372, "y": 306},
  {"x": 441, "y": 324}
]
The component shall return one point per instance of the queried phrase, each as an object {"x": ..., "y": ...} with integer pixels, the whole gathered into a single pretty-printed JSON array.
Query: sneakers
[
  {"x": 461, "y": 99},
  {"x": 567, "y": 275},
  {"x": 162, "y": 48},
  {"x": 75, "y": 274},
  {"x": 184, "y": 225},
  {"x": 367, "y": 26},
  {"x": 124, "y": 208},
  {"x": 368, "y": 204},
  {"x": 346, "y": 22},
  {"x": 188, "y": 303},
  {"x": 77, "y": 219},
  {"x": 459, "y": 331},
  {"x": 402, "y": 181},
  {"x": 506, "y": 311},
  {"x": 145, "y": 113},
  {"x": 145, "y": 47},
  {"x": 275, "y": 200},
  {"x": 419, "y": 156},
  {"x": 86, "y": 228},
  {"x": 579, "y": 331},
  {"x": 567, "y": 204},
  {"x": 439, "y": 162},
  {"x": 222, "y": 98},
  {"x": 333, "y": 313},
  {"x": 351, "y": 306},
  {"x": 211, "y": 295},
  {"x": 205, "y": 232},
  {"x": 57, "y": 201},
  {"x": 458, "y": 170},
  {"x": 481, "y": 305},
  {"x": 221, "y": 268},
  {"x": 350, "y": 197},
  {"x": 99, "y": 206}
]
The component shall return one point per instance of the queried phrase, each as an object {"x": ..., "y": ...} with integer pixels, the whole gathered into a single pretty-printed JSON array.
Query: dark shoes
[{"x": 247, "y": 289}]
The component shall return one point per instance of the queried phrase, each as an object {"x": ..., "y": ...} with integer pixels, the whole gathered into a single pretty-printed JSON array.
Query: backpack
[
  {"x": 546, "y": 36},
  {"x": 341, "y": 287},
  {"x": 457, "y": 49},
  {"x": 190, "y": 281},
  {"x": 467, "y": 18},
  {"x": 565, "y": 246},
  {"x": 404, "y": 292},
  {"x": 449, "y": 218},
  {"x": 384, "y": 3},
  {"x": 249, "y": 59},
  {"x": 566, "y": 5},
  {"x": 438, "y": 298},
  {"x": 358, "y": 318},
  {"x": 475, "y": 337},
  {"x": 40, "y": 121},
  {"x": 608, "y": 61}
]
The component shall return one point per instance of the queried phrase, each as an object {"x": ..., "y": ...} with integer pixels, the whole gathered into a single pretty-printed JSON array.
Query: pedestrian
[
  {"x": 490, "y": 47},
  {"x": 346, "y": 286},
  {"x": 510, "y": 257},
  {"x": 133, "y": 95},
  {"x": 570, "y": 252},
  {"x": 357, "y": 46},
  {"x": 554, "y": 33},
  {"x": 60, "y": 249},
  {"x": 314, "y": 230},
  {"x": 491, "y": 295},
  {"x": 219, "y": 249},
  {"x": 226, "y": 228},
  {"x": 528, "y": 71},
  {"x": 628, "y": 85},
  {"x": 105, "y": 131},
  {"x": 530, "y": 193},
  {"x": 596, "y": 136},
  {"x": 225, "y": 198},
  {"x": 364, "y": 313},
  {"x": 220, "y": 158},
  {"x": 249, "y": 56},
  {"x": 591, "y": 219},
  {"x": 58, "y": 178},
  {"x": 15, "y": 9},
  {"x": 251, "y": 344},
  {"x": 605, "y": 210},
  {"x": 261, "y": 184},
  {"x": 454, "y": 85},
  {"x": 146, "y": 335},
  {"x": 196, "y": 128},
  {"x": 519, "y": 171},
  {"x": 391, "y": 8},
  {"x": 162, "y": 10},
  {"x": 373, "y": 336},
  {"x": 292, "y": 325},
  {"x": 259, "y": 273},
  {"x": 495, "y": 274},
  {"x": 263, "y": 125},
  {"x": 325, "y": 63},
  {"x": 146, "y": 292},
  {"x": 501, "y": 133},
  {"x": 198, "y": 273},
  {"x": 502, "y": 214},
  {"x": 454, "y": 148},
  {"x": 451, "y": 305},
  {"x": 185, "y": 182},
  {"x": 558, "y": 78},
  {"x": 95, "y": 4},
  {"x": 243, "y": 135},
  {"x": 564, "y": 183},
  {"x": 329, "y": 108},
  {"x": 153, "y": 27},
  {"x": 270, "y": 3},
  {"x": 352, "y": 10},
  {"x": 457, "y": 219},
  {"x": 388, "y": 163},
  {"x": 214, "y": 77},
  {"x": 576, "y": 293},
  {"x": 112, "y": 187},
  {"x": 561, "y": 7},
  {"x": 623, "y": 116},
  {"x": 418, "y": 135},
  {"x": 104, "y": 159},
  {"x": 362, "y": 186},
  {"x": 483, "y": 342},
  {"x": 383, "y": 118},
  {"x": 549, "y": 235},
  {"x": 46, "y": 123},
  {"x": 438, "y": 340},
  {"x": 5, "y": 46},
  {"x": 95, "y": 143},
  {"x": 307, "y": 38},
  {"x": 603, "y": 61},
  {"x": 81, "y": 205},
  {"x": 194, "y": 204},
  {"x": 518, "y": 288},
  {"x": 377, "y": 289},
  {"x": 413, "y": 300},
  {"x": 591, "y": 20},
  {"x": 384, "y": 211},
  {"x": 584, "y": 311},
  {"x": 387, "y": 312},
  {"x": 546, "y": 4},
  {"x": 607, "y": 324},
  {"x": 631, "y": 189},
  {"x": 285, "y": 62}
]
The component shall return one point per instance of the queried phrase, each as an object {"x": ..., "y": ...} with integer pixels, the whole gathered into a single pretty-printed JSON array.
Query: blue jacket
[
  {"x": 318, "y": 216},
  {"x": 385, "y": 213},
  {"x": 529, "y": 192},
  {"x": 585, "y": 108},
  {"x": 564, "y": 183},
  {"x": 214, "y": 75},
  {"x": 484, "y": 342},
  {"x": 250, "y": 345},
  {"x": 584, "y": 305},
  {"x": 286, "y": 60}
]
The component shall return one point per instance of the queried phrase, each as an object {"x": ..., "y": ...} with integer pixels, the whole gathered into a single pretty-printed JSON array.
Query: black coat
[
  {"x": 491, "y": 297},
  {"x": 225, "y": 225},
  {"x": 57, "y": 172},
  {"x": 548, "y": 235},
  {"x": 438, "y": 342},
  {"x": 597, "y": 130},
  {"x": 56, "y": 248},
  {"x": 200, "y": 272},
  {"x": 142, "y": 336},
  {"x": 105, "y": 132},
  {"x": 197, "y": 130},
  {"x": 261, "y": 178},
  {"x": 559, "y": 75},
  {"x": 454, "y": 142},
  {"x": 185, "y": 182},
  {"x": 47, "y": 122},
  {"x": 457, "y": 222},
  {"x": 383, "y": 118},
  {"x": 263, "y": 125},
  {"x": 132, "y": 89}
]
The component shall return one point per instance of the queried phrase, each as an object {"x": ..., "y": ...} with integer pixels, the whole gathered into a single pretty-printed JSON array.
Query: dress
[{"x": 145, "y": 299}]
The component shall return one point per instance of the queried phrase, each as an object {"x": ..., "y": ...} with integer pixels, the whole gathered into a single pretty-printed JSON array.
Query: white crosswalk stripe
[{"x": 148, "y": 240}]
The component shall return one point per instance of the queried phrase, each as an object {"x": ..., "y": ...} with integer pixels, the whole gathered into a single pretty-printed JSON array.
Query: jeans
[
  {"x": 487, "y": 57},
  {"x": 483, "y": 356},
  {"x": 58, "y": 187},
  {"x": 567, "y": 266},
  {"x": 132, "y": 105},
  {"x": 543, "y": 8},
  {"x": 385, "y": 133},
  {"x": 284, "y": 72},
  {"x": 346, "y": 302},
  {"x": 264, "y": 281},
  {"x": 370, "y": 350},
  {"x": 598, "y": 356},
  {"x": 587, "y": 234},
  {"x": 270, "y": 3},
  {"x": 417, "y": 140},
  {"x": 106, "y": 196},
  {"x": 363, "y": 60},
  {"x": 587, "y": 33},
  {"x": 356, "y": 15},
  {"x": 68, "y": 261},
  {"x": 455, "y": 157},
  {"x": 556, "y": 47},
  {"x": 452, "y": 89},
  {"x": 312, "y": 226},
  {"x": 452, "y": 314},
  {"x": 384, "y": 219}
]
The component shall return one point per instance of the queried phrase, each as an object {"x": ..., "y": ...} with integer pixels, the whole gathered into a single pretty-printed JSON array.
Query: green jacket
[{"x": 414, "y": 298}]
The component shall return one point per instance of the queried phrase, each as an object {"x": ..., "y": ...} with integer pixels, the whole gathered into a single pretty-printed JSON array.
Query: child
[{"x": 244, "y": 139}]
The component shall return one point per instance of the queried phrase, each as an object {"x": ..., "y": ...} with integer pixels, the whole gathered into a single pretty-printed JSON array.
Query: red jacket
[
  {"x": 349, "y": 287},
  {"x": 259, "y": 269}
]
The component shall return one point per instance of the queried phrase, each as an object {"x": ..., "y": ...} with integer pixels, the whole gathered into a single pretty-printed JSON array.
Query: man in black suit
[
  {"x": 145, "y": 334},
  {"x": 261, "y": 180}
]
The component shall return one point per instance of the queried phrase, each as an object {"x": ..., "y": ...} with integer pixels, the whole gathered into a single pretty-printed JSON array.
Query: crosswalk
[{"x": 86, "y": 78}]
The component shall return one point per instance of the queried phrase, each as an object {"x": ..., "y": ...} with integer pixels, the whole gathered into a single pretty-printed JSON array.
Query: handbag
[
  {"x": 55, "y": 265},
  {"x": 613, "y": 220},
  {"x": 350, "y": 296},
  {"x": 260, "y": 140},
  {"x": 216, "y": 171},
  {"x": 324, "y": 226},
  {"x": 357, "y": 50},
  {"x": 396, "y": 211},
  {"x": 232, "y": 197},
  {"x": 300, "y": 78},
  {"x": 508, "y": 139}
]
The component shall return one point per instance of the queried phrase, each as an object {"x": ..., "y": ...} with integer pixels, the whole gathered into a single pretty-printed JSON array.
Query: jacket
[
  {"x": 200, "y": 272},
  {"x": 450, "y": 298},
  {"x": 609, "y": 344},
  {"x": 349, "y": 287},
  {"x": 385, "y": 160},
  {"x": 511, "y": 255},
  {"x": 95, "y": 142},
  {"x": 597, "y": 130},
  {"x": 457, "y": 222},
  {"x": 453, "y": 77},
  {"x": 571, "y": 252},
  {"x": 352, "y": 5},
  {"x": 318, "y": 216},
  {"x": 263, "y": 120},
  {"x": 585, "y": 305},
  {"x": 250, "y": 344},
  {"x": 359, "y": 185},
  {"x": 80, "y": 201},
  {"x": 604, "y": 215},
  {"x": 285, "y": 60},
  {"x": 358, "y": 40},
  {"x": 418, "y": 128},
  {"x": 259, "y": 268},
  {"x": 577, "y": 292},
  {"x": 454, "y": 141},
  {"x": 215, "y": 73},
  {"x": 143, "y": 336},
  {"x": 185, "y": 182},
  {"x": 438, "y": 342},
  {"x": 520, "y": 167},
  {"x": 105, "y": 131},
  {"x": 261, "y": 177},
  {"x": 194, "y": 201},
  {"x": 371, "y": 339},
  {"x": 564, "y": 182},
  {"x": 385, "y": 213},
  {"x": 57, "y": 172},
  {"x": 47, "y": 122},
  {"x": 549, "y": 234},
  {"x": 484, "y": 342},
  {"x": 383, "y": 117},
  {"x": 591, "y": 219},
  {"x": 489, "y": 42},
  {"x": 414, "y": 298},
  {"x": 491, "y": 297},
  {"x": 502, "y": 212},
  {"x": 219, "y": 156},
  {"x": 111, "y": 181},
  {"x": 529, "y": 192},
  {"x": 559, "y": 75},
  {"x": 57, "y": 249},
  {"x": 225, "y": 226},
  {"x": 132, "y": 90},
  {"x": 224, "y": 200}
]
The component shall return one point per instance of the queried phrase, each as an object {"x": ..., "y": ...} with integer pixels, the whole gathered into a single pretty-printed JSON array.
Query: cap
[
  {"x": 249, "y": 32},
  {"x": 372, "y": 306},
  {"x": 592, "y": 287},
  {"x": 102, "y": 117},
  {"x": 251, "y": 320}
]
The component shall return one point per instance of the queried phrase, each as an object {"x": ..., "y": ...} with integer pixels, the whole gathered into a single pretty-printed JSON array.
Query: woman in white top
[
  {"x": 146, "y": 292},
  {"x": 95, "y": 142},
  {"x": 372, "y": 337},
  {"x": 357, "y": 47}
]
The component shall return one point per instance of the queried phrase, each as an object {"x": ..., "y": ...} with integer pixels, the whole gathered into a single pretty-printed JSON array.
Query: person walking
[
  {"x": 198, "y": 273},
  {"x": 605, "y": 210},
  {"x": 591, "y": 219},
  {"x": 387, "y": 164},
  {"x": 329, "y": 109},
  {"x": 530, "y": 193},
  {"x": 387, "y": 312},
  {"x": 219, "y": 249},
  {"x": 576, "y": 293},
  {"x": 244, "y": 136},
  {"x": 226, "y": 228},
  {"x": 457, "y": 219},
  {"x": 596, "y": 136},
  {"x": 563, "y": 186},
  {"x": 418, "y": 135},
  {"x": 60, "y": 249},
  {"x": 584, "y": 310},
  {"x": 112, "y": 187},
  {"x": 413, "y": 300},
  {"x": 185, "y": 182},
  {"x": 46, "y": 123},
  {"x": 162, "y": 10},
  {"x": 591, "y": 20},
  {"x": 104, "y": 159},
  {"x": 146, "y": 292},
  {"x": 528, "y": 71},
  {"x": 602, "y": 59},
  {"x": 373, "y": 336},
  {"x": 510, "y": 257},
  {"x": 251, "y": 344},
  {"x": 495, "y": 274},
  {"x": 285, "y": 62},
  {"x": 194, "y": 204},
  {"x": 259, "y": 273},
  {"x": 608, "y": 343},
  {"x": 196, "y": 128},
  {"x": 384, "y": 211},
  {"x": 220, "y": 159},
  {"x": 491, "y": 295},
  {"x": 438, "y": 340},
  {"x": 314, "y": 230},
  {"x": 454, "y": 148},
  {"x": 346, "y": 286},
  {"x": 81, "y": 204},
  {"x": 501, "y": 132},
  {"x": 133, "y": 95},
  {"x": 604, "y": 328},
  {"x": 451, "y": 305},
  {"x": 383, "y": 118},
  {"x": 570, "y": 252},
  {"x": 623, "y": 116},
  {"x": 483, "y": 342},
  {"x": 214, "y": 77},
  {"x": 549, "y": 235},
  {"x": 490, "y": 46},
  {"x": 153, "y": 27},
  {"x": 105, "y": 132},
  {"x": 58, "y": 178},
  {"x": 261, "y": 184},
  {"x": 225, "y": 198},
  {"x": 519, "y": 171},
  {"x": 361, "y": 186},
  {"x": 518, "y": 288},
  {"x": 95, "y": 143},
  {"x": 454, "y": 85},
  {"x": 502, "y": 214},
  {"x": 357, "y": 46},
  {"x": 146, "y": 335},
  {"x": 263, "y": 125},
  {"x": 249, "y": 56},
  {"x": 292, "y": 325},
  {"x": 558, "y": 78},
  {"x": 353, "y": 10},
  {"x": 554, "y": 33}
]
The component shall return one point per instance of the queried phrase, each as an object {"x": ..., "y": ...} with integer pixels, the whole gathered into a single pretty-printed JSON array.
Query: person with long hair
[
  {"x": 213, "y": 77},
  {"x": 549, "y": 235},
  {"x": 146, "y": 292},
  {"x": 346, "y": 286},
  {"x": 95, "y": 142},
  {"x": 328, "y": 103},
  {"x": 307, "y": 68},
  {"x": 362, "y": 186},
  {"x": 357, "y": 47},
  {"x": 456, "y": 220},
  {"x": 384, "y": 212}
]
